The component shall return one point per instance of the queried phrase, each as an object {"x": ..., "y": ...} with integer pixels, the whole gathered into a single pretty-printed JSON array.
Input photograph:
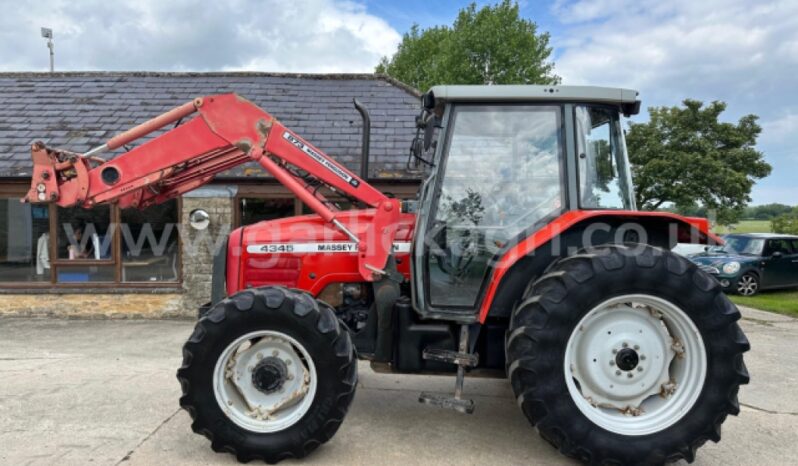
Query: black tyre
[
  {"x": 748, "y": 284},
  {"x": 268, "y": 374},
  {"x": 626, "y": 355}
]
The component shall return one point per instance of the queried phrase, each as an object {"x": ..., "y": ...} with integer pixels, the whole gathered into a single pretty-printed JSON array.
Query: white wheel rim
[
  {"x": 747, "y": 285},
  {"x": 642, "y": 398},
  {"x": 256, "y": 409}
]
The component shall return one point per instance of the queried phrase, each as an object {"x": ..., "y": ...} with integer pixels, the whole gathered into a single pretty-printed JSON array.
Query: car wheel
[{"x": 748, "y": 285}]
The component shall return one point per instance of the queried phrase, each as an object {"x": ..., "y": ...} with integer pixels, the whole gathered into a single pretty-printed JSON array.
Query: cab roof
[{"x": 626, "y": 98}]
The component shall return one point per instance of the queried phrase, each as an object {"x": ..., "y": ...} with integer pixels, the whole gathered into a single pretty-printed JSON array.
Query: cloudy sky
[{"x": 742, "y": 52}]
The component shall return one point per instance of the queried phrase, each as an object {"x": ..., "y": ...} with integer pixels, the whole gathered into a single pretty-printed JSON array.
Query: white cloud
[
  {"x": 670, "y": 50},
  {"x": 266, "y": 35},
  {"x": 780, "y": 130},
  {"x": 744, "y": 53}
]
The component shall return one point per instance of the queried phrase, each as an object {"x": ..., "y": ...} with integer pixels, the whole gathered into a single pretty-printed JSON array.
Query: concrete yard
[{"x": 104, "y": 392}]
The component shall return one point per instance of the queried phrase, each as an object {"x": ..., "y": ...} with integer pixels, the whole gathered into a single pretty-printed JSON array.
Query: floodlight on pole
[{"x": 47, "y": 33}]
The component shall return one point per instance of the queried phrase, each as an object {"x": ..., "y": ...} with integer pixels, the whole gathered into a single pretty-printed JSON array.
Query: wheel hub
[
  {"x": 269, "y": 375},
  {"x": 627, "y": 359},
  {"x": 265, "y": 381}
]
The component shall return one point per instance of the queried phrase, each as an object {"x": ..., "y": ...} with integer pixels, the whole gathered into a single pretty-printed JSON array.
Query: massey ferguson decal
[
  {"x": 304, "y": 248},
  {"x": 326, "y": 163}
]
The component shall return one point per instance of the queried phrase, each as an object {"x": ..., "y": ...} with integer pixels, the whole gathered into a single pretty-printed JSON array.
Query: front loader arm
[{"x": 223, "y": 131}]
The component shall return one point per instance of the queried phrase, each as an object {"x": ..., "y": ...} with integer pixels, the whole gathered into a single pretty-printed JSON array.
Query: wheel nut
[
  {"x": 287, "y": 362},
  {"x": 612, "y": 363},
  {"x": 275, "y": 353},
  {"x": 617, "y": 372},
  {"x": 614, "y": 351},
  {"x": 630, "y": 375},
  {"x": 625, "y": 345},
  {"x": 637, "y": 347},
  {"x": 639, "y": 368},
  {"x": 259, "y": 356},
  {"x": 642, "y": 357}
]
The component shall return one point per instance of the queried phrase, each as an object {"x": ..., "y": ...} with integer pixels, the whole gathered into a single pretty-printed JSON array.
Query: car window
[
  {"x": 778, "y": 245},
  {"x": 794, "y": 246},
  {"x": 743, "y": 245}
]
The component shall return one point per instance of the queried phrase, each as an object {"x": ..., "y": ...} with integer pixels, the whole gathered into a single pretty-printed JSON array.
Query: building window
[
  {"x": 45, "y": 245},
  {"x": 254, "y": 209},
  {"x": 24, "y": 242},
  {"x": 84, "y": 234},
  {"x": 150, "y": 244}
]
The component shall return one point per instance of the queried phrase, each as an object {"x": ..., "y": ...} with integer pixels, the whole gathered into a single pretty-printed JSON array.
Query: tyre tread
[
  {"x": 303, "y": 306},
  {"x": 535, "y": 321}
]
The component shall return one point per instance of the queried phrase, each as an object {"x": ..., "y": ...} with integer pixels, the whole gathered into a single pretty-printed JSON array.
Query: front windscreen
[{"x": 743, "y": 245}]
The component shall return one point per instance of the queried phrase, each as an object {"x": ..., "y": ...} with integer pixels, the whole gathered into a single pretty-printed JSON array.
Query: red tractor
[{"x": 523, "y": 257}]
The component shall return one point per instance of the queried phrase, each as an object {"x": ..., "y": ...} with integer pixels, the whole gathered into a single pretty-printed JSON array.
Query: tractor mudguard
[{"x": 576, "y": 230}]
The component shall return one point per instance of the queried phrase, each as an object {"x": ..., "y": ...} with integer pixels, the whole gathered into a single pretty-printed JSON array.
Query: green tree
[
  {"x": 490, "y": 45},
  {"x": 686, "y": 156},
  {"x": 767, "y": 211},
  {"x": 786, "y": 223}
]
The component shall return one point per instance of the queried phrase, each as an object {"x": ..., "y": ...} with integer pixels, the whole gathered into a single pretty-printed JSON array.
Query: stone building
[{"x": 114, "y": 262}]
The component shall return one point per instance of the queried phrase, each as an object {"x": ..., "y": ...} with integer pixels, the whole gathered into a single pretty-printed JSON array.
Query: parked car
[{"x": 749, "y": 263}]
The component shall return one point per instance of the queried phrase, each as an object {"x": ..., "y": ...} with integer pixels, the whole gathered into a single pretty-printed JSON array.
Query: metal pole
[{"x": 51, "y": 46}]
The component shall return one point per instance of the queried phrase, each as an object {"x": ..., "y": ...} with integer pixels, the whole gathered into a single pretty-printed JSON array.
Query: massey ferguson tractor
[{"x": 523, "y": 257}]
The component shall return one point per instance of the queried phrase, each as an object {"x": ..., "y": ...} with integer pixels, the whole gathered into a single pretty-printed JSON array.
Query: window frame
[
  {"x": 432, "y": 201},
  {"x": 616, "y": 138},
  {"x": 11, "y": 191}
]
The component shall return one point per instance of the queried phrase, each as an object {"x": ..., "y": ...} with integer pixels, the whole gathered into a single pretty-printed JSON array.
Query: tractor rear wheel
[
  {"x": 626, "y": 355},
  {"x": 268, "y": 374}
]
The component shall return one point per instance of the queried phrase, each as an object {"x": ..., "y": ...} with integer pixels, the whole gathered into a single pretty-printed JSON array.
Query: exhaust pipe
[{"x": 366, "y": 140}]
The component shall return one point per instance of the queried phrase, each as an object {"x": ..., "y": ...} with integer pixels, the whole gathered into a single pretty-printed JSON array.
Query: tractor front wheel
[
  {"x": 268, "y": 374},
  {"x": 626, "y": 355}
]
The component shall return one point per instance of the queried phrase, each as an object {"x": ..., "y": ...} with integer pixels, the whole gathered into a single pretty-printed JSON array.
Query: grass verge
[
  {"x": 782, "y": 302},
  {"x": 746, "y": 226}
]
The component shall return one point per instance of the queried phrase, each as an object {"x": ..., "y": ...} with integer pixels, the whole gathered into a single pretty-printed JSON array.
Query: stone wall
[
  {"x": 94, "y": 305},
  {"x": 200, "y": 245}
]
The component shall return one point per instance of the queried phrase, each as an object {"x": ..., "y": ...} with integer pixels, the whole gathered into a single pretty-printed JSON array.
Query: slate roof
[{"x": 80, "y": 110}]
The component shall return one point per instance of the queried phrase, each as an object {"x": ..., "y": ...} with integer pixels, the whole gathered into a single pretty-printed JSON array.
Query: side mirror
[
  {"x": 428, "y": 100},
  {"x": 429, "y": 130}
]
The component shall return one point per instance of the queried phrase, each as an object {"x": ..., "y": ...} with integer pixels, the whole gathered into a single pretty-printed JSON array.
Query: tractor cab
[{"x": 503, "y": 162}]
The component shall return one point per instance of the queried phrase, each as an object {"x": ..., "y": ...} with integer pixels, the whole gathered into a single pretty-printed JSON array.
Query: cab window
[
  {"x": 501, "y": 176},
  {"x": 604, "y": 176}
]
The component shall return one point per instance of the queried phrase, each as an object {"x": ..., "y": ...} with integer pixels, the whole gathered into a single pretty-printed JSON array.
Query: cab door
[{"x": 499, "y": 174}]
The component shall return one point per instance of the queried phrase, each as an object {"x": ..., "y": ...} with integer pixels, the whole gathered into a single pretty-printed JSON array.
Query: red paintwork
[
  {"x": 569, "y": 219},
  {"x": 227, "y": 131},
  {"x": 294, "y": 270}
]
